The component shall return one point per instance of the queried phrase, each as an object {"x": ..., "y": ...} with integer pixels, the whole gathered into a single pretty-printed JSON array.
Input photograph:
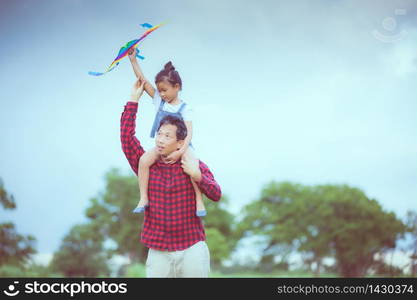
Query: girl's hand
[
  {"x": 132, "y": 53},
  {"x": 137, "y": 90},
  {"x": 173, "y": 157},
  {"x": 191, "y": 167}
]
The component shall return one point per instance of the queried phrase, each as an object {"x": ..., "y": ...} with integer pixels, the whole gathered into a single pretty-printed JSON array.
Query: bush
[
  {"x": 32, "y": 270},
  {"x": 11, "y": 271},
  {"x": 381, "y": 268},
  {"x": 134, "y": 270}
]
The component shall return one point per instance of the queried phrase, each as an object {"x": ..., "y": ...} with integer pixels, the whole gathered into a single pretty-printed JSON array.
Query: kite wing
[{"x": 124, "y": 51}]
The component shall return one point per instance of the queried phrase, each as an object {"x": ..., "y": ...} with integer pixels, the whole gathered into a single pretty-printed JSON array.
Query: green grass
[
  {"x": 277, "y": 274},
  {"x": 138, "y": 271}
]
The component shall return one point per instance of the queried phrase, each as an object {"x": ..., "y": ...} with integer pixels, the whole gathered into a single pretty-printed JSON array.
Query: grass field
[
  {"x": 138, "y": 270},
  {"x": 282, "y": 274}
]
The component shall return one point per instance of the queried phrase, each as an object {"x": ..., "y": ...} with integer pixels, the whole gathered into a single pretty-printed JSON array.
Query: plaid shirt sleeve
[
  {"x": 208, "y": 184},
  {"x": 130, "y": 144}
]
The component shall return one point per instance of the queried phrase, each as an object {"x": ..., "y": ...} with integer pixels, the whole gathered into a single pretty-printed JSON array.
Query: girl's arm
[{"x": 139, "y": 74}]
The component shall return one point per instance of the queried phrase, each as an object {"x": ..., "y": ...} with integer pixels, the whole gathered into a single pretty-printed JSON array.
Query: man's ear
[{"x": 180, "y": 144}]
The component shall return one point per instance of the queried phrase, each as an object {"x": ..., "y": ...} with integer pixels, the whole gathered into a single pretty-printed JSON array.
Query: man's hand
[
  {"x": 192, "y": 168},
  {"x": 173, "y": 157},
  {"x": 137, "y": 90}
]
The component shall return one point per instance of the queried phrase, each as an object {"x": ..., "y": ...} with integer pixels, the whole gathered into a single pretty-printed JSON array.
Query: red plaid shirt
[{"x": 170, "y": 222}]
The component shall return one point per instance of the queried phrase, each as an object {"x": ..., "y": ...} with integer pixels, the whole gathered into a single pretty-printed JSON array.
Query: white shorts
[{"x": 191, "y": 262}]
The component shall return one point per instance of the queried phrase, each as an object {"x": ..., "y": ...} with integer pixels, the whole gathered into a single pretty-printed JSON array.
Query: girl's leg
[
  {"x": 145, "y": 162},
  {"x": 200, "y": 208}
]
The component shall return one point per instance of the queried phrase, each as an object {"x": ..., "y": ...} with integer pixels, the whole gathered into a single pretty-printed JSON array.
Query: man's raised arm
[{"x": 130, "y": 144}]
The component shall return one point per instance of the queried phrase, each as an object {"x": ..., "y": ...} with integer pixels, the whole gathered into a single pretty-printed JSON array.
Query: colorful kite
[{"x": 124, "y": 51}]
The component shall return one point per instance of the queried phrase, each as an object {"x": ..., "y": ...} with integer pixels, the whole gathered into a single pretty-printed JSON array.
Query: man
[{"x": 171, "y": 230}]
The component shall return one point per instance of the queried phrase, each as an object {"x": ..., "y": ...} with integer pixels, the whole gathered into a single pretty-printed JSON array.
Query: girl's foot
[
  {"x": 201, "y": 210},
  {"x": 140, "y": 208},
  {"x": 201, "y": 213}
]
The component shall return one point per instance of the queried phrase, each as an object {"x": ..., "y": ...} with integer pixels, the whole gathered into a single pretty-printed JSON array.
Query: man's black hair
[{"x": 178, "y": 122}]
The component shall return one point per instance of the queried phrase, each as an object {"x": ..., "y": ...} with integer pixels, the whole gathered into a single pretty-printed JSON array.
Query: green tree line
[{"x": 321, "y": 223}]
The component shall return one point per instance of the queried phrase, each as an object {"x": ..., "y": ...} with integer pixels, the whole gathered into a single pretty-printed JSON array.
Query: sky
[{"x": 313, "y": 92}]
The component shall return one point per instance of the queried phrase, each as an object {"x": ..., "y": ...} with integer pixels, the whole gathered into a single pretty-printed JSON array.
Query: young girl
[{"x": 166, "y": 101}]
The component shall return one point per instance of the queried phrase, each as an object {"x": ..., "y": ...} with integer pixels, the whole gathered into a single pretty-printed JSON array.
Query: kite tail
[
  {"x": 95, "y": 73},
  {"x": 99, "y": 74},
  {"x": 139, "y": 56}
]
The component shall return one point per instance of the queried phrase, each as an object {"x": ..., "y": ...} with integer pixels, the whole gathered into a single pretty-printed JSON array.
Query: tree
[
  {"x": 6, "y": 200},
  {"x": 322, "y": 221},
  {"x": 111, "y": 222},
  {"x": 219, "y": 227},
  {"x": 111, "y": 216},
  {"x": 359, "y": 228},
  {"x": 411, "y": 221},
  {"x": 280, "y": 216},
  {"x": 15, "y": 249},
  {"x": 81, "y": 254}
]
